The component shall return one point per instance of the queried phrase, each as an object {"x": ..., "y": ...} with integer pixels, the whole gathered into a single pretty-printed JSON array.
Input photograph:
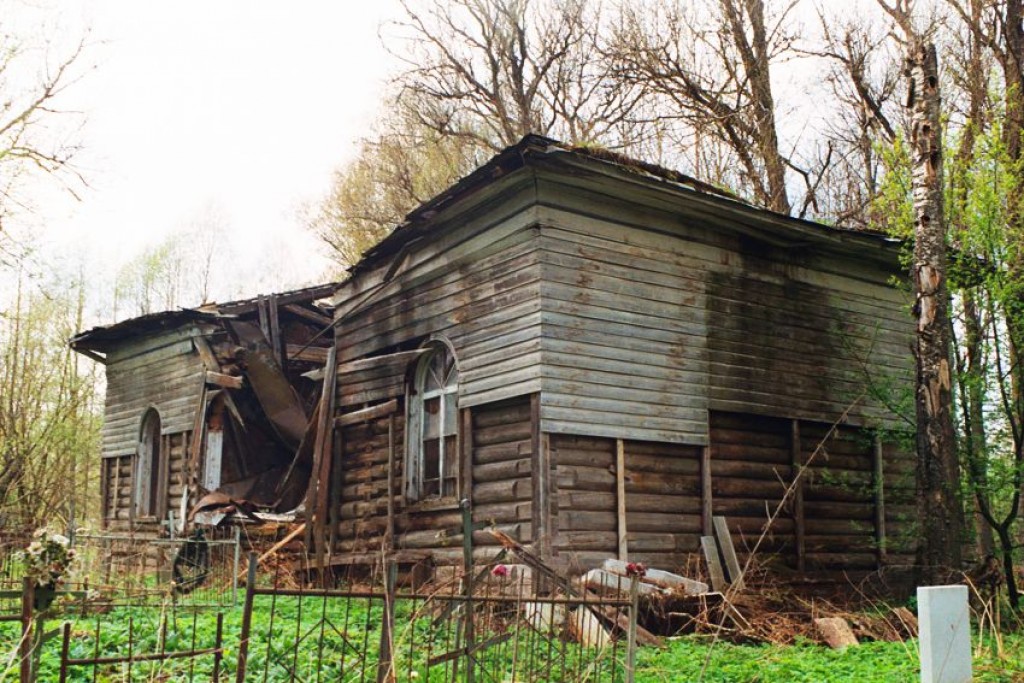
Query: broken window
[
  {"x": 149, "y": 467},
  {"x": 433, "y": 426}
]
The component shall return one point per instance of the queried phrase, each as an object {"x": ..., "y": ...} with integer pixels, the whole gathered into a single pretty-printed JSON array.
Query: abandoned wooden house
[
  {"x": 597, "y": 354},
  {"x": 230, "y": 373},
  {"x": 600, "y": 355}
]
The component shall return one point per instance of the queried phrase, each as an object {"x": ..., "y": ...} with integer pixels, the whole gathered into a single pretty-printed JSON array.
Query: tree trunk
[{"x": 938, "y": 472}]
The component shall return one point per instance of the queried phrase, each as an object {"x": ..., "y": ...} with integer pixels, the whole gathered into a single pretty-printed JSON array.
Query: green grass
[
  {"x": 681, "y": 660},
  {"x": 684, "y": 659}
]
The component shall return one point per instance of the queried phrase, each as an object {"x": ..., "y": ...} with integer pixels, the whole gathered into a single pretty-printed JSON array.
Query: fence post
[
  {"x": 386, "y": 660},
  {"x": 234, "y": 571},
  {"x": 467, "y": 581},
  {"x": 218, "y": 653},
  {"x": 634, "y": 607},
  {"x": 243, "y": 643},
  {"x": 65, "y": 647},
  {"x": 28, "y": 596}
]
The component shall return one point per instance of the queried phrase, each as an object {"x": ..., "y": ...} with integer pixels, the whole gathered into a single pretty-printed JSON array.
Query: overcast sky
[{"x": 238, "y": 109}]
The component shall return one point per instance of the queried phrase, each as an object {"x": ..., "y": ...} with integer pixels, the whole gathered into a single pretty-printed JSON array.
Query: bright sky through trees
[{"x": 237, "y": 108}]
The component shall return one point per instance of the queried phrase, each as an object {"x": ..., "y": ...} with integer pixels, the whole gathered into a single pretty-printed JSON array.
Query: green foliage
[
  {"x": 49, "y": 412},
  {"x": 893, "y": 208},
  {"x": 683, "y": 658},
  {"x": 402, "y": 167}
]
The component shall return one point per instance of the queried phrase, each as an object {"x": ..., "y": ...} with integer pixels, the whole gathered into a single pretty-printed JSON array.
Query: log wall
[
  {"x": 662, "y": 501},
  {"x": 832, "y": 520},
  {"x": 118, "y": 479},
  {"x": 502, "y": 487}
]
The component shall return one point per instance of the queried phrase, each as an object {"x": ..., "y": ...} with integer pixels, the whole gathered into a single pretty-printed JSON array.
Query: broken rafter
[
  {"x": 221, "y": 380},
  {"x": 307, "y": 314},
  {"x": 311, "y": 354}
]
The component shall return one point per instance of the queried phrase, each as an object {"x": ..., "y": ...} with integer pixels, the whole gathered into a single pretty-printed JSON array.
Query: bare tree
[
  {"x": 32, "y": 140},
  {"x": 862, "y": 78},
  {"x": 715, "y": 77},
  {"x": 491, "y": 71}
]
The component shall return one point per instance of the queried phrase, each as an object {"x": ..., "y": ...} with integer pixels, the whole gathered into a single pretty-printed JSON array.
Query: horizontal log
[
  {"x": 836, "y": 510},
  {"x": 586, "y": 500},
  {"x": 516, "y": 412},
  {"x": 748, "y": 452},
  {"x": 661, "y": 522},
  {"x": 584, "y": 478},
  {"x": 581, "y": 541},
  {"x": 751, "y": 470},
  {"x": 503, "y": 433},
  {"x": 503, "y": 491},
  {"x": 663, "y": 464},
  {"x": 500, "y": 513},
  {"x": 641, "y": 542},
  {"x": 752, "y": 489},
  {"x": 661, "y": 484},
  {"x": 671, "y": 504},
  {"x": 586, "y": 520},
  {"x": 501, "y": 471},
  {"x": 589, "y": 458},
  {"x": 509, "y": 450}
]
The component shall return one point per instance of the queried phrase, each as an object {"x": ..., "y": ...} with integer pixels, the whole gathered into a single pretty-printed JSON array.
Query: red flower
[
  {"x": 499, "y": 570},
  {"x": 636, "y": 569}
]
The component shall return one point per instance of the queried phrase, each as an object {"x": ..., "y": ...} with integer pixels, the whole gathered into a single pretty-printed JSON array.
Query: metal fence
[
  {"x": 124, "y": 569},
  {"x": 491, "y": 626}
]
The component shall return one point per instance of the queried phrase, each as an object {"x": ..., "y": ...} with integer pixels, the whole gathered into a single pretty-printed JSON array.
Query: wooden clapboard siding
[
  {"x": 623, "y": 349},
  {"x": 162, "y": 372},
  {"x": 642, "y": 300},
  {"x": 487, "y": 306}
]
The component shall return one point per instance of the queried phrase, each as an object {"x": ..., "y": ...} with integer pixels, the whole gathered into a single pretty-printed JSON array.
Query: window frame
[
  {"x": 150, "y": 461},
  {"x": 447, "y": 394}
]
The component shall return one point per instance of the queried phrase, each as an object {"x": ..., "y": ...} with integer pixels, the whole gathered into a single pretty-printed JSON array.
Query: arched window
[
  {"x": 149, "y": 466},
  {"x": 432, "y": 440}
]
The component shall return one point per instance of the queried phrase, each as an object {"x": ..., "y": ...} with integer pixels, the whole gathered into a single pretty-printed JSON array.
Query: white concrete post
[{"x": 945, "y": 634}]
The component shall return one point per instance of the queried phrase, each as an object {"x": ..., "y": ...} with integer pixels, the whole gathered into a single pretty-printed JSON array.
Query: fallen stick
[{"x": 277, "y": 546}]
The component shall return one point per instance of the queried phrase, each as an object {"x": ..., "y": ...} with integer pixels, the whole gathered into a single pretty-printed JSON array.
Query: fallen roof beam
[
  {"x": 312, "y": 354},
  {"x": 309, "y": 315}
]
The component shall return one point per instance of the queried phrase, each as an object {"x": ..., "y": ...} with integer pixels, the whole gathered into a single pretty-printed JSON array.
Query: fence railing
[{"x": 488, "y": 627}]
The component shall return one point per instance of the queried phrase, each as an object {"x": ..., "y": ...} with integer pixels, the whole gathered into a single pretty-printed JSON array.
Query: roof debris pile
[{"x": 256, "y": 409}]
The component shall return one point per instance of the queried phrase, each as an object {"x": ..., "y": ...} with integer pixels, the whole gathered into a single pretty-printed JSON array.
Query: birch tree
[{"x": 938, "y": 471}]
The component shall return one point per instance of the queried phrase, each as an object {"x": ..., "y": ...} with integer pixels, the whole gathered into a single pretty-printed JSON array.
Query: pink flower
[{"x": 500, "y": 570}]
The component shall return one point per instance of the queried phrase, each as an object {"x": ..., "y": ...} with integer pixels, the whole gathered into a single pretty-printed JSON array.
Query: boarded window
[{"x": 433, "y": 434}]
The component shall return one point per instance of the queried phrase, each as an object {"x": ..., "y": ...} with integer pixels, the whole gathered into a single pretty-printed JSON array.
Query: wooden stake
[
  {"x": 878, "y": 481},
  {"x": 710, "y": 548},
  {"x": 795, "y": 462},
  {"x": 620, "y": 497},
  {"x": 732, "y": 563}
]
